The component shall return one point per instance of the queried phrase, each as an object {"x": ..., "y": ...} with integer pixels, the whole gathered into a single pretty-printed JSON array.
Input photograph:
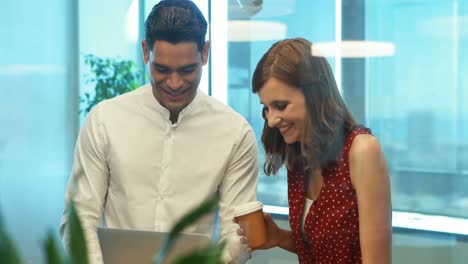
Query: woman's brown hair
[{"x": 328, "y": 120}]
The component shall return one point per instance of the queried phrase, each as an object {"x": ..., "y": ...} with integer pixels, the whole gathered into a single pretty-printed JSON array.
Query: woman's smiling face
[{"x": 284, "y": 108}]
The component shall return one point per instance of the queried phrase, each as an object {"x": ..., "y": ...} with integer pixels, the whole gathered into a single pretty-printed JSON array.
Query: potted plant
[{"x": 111, "y": 77}]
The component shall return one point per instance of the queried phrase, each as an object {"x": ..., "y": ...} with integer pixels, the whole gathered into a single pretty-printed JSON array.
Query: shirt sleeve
[
  {"x": 88, "y": 183},
  {"x": 238, "y": 186}
]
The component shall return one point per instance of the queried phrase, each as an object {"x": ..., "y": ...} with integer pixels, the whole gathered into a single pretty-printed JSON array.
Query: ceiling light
[
  {"x": 353, "y": 49},
  {"x": 254, "y": 30}
]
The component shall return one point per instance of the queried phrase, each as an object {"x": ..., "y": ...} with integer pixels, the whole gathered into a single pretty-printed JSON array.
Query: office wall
[{"x": 37, "y": 118}]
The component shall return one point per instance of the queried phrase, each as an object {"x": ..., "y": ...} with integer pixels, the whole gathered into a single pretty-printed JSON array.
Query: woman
[{"x": 338, "y": 182}]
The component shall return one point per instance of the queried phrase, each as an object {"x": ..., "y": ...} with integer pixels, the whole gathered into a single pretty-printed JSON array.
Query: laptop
[{"x": 123, "y": 246}]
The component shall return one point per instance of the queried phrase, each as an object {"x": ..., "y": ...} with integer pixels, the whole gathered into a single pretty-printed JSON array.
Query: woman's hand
[{"x": 273, "y": 233}]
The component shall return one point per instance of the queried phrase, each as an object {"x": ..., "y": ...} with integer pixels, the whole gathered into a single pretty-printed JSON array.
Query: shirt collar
[{"x": 151, "y": 102}]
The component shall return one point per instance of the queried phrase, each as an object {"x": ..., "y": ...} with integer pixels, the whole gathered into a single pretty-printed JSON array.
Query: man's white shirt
[{"x": 140, "y": 171}]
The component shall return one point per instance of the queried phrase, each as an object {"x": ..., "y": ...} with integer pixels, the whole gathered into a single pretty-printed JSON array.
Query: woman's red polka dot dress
[{"x": 332, "y": 223}]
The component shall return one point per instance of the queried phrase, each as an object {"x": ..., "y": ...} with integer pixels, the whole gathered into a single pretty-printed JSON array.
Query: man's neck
[{"x": 174, "y": 116}]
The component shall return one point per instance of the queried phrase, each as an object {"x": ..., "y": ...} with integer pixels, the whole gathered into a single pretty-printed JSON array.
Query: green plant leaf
[
  {"x": 208, "y": 255},
  {"x": 206, "y": 207},
  {"x": 111, "y": 77},
  {"x": 52, "y": 254},
  {"x": 8, "y": 251},
  {"x": 78, "y": 251}
]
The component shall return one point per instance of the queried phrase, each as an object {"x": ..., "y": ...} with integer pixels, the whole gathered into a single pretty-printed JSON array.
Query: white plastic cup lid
[{"x": 247, "y": 208}]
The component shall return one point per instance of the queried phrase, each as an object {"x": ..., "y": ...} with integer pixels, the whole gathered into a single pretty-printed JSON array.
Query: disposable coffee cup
[{"x": 250, "y": 217}]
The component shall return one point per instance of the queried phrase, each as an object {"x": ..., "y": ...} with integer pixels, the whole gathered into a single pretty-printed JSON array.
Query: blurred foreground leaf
[
  {"x": 51, "y": 252},
  {"x": 208, "y": 255},
  {"x": 189, "y": 218},
  {"x": 8, "y": 252},
  {"x": 78, "y": 251}
]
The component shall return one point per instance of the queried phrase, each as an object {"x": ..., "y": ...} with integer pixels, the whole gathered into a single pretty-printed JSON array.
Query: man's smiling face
[{"x": 175, "y": 72}]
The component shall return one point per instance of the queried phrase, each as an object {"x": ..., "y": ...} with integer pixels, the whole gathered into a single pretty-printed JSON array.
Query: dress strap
[{"x": 350, "y": 138}]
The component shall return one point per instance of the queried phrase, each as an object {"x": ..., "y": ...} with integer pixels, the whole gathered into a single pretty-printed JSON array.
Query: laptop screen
[{"x": 121, "y": 246}]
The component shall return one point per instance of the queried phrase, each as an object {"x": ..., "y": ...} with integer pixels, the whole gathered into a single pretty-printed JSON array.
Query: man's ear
[
  {"x": 145, "y": 51},
  {"x": 205, "y": 52}
]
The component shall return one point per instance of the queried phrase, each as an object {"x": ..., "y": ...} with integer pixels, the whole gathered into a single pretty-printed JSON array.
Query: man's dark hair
[{"x": 175, "y": 21}]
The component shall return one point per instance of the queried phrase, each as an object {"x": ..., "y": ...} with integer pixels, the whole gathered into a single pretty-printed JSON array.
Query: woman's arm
[
  {"x": 286, "y": 241},
  {"x": 278, "y": 237},
  {"x": 370, "y": 178}
]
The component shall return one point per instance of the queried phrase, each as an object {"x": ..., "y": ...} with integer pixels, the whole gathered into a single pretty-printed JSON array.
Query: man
[{"x": 145, "y": 158}]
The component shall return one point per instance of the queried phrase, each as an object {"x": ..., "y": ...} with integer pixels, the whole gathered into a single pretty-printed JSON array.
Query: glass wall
[
  {"x": 415, "y": 102},
  {"x": 38, "y": 117},
  {"x": 405, "y": 80}
]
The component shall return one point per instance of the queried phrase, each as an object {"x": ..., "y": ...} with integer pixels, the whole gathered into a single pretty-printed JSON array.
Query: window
[
  {"x": 38, "y": 117},
  {"x": 408, "y": 86},
  {"x": 415, "y": 102}
]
